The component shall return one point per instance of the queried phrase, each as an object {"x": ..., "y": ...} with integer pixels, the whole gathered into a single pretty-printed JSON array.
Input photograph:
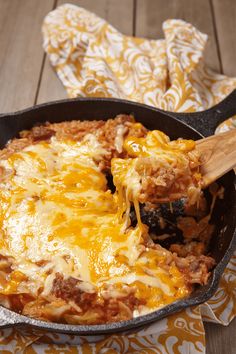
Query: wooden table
[{"x": 27, "y": 78}]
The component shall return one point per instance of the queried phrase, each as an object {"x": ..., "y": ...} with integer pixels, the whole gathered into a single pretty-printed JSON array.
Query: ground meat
[
  {"x": 193, "y": 230},
  {"x": 160, "y": 182},
  {"x": 75, "y": 129},
  {"x": 108, "y": 309},
  {"x": 191, "y": 248},
  {"x": 40, "y": 133},
  {"x": 156, "y": 181},
  {"x": 196, "y": 268},
  {"x": 6, "y": 263},
  {"x": 67, "y": 290}
]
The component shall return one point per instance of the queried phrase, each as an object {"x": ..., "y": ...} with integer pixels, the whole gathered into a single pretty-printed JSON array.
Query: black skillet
[{"x": 185, "y": 125}]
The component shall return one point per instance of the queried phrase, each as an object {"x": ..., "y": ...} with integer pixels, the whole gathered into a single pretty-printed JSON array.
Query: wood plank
[
  {"x": 51, "y": 87},
  {"x": 119, "y": 14},
  {"x": 225, "y": 18},
  {"x": 21, "y": 51},
  {"x": 219, "y": 339},
  {"x": 152, "y": 13}
]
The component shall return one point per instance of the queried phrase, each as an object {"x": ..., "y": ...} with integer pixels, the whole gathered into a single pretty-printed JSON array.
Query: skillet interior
[{"x": 224, "y": 240}]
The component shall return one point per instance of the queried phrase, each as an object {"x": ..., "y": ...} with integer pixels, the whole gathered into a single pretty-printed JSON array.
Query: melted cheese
[
  {"x": 156, "y": 143},
  {"x": 56, "y": 208},
  {"x": 172, "y": 166}
]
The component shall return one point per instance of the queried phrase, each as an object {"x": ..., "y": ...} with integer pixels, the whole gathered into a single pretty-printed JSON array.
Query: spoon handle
[{"x": 218, "y": 154}]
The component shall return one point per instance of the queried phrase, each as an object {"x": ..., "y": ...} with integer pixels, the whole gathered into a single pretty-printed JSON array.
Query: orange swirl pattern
[{"x": 92, "y": 58}]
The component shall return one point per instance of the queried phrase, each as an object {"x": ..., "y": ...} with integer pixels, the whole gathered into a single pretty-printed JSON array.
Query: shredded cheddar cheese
[{"x": 57, "y": 215}]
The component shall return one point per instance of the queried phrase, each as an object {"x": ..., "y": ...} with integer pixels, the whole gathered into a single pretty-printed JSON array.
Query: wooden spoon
[{"x": 219, "y": 155}]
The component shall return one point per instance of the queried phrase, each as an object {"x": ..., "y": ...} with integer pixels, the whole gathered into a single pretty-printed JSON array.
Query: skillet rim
[
  {"x": 10, "y": 318},
  {"x": 174, "y": 115}
]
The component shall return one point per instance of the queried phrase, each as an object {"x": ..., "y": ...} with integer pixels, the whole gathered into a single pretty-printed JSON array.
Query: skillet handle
[{"x": 206, "y": 122}]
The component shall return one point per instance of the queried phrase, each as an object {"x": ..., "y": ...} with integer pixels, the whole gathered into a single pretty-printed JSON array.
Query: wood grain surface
[
  {"x": 152, "y": 13},
  {"x": 225, "y": 22},
  {"x": 21, "y": 52},
  {"x": 27, "y": 78}
]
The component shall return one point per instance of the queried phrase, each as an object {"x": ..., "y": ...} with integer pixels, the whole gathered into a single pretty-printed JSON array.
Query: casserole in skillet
[
  {"x": 69, "y": 250},
  {"x": 111, "y": 108}
]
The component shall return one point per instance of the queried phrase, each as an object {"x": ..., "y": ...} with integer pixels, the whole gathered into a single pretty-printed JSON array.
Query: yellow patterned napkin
[{"x": 93, "y": 59}]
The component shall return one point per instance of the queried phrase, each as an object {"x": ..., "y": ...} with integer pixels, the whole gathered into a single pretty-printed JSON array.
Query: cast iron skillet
[{"x": 193, "y": 126}]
